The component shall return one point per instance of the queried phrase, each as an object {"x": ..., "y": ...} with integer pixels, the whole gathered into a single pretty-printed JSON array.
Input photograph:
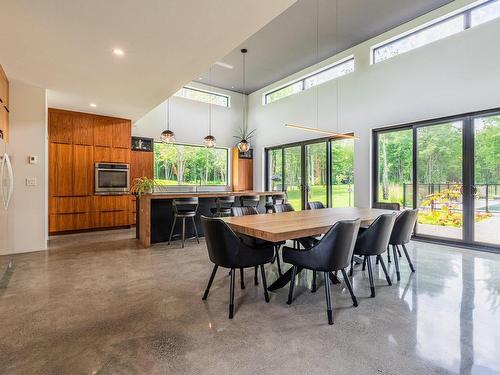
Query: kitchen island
[{"x": 155, "y": 214}]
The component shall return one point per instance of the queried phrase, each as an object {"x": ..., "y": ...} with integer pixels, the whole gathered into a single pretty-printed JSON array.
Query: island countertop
[
  {"x": 154, "y": 211},
  {"x": 208, "y": 194}
]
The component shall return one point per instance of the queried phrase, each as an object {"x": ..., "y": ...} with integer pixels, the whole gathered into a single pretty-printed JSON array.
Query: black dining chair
[
  {"x": 256, "y": 242},
  {"x": 274, "y": 199},
  {"x": 373, "y": 241},
  {"x": 223, "y": 206},
  {"x": 250, "y": 200},
  {"x": 401, "y": 234},
  {"x": 226, "y": 249},
  {"x": 332, "y": 253},
  {"x": 315, "y": 205},
  {"x": 184, "y": 208},
  {"x": 395, "y": 206}
]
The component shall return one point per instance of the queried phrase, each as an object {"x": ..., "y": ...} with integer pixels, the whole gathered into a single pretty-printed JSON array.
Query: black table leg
[{"x": 283, "y": 280}]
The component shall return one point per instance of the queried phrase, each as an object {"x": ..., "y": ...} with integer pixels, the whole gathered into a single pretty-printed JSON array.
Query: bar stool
[
  {"x": 274, "y": 200},
  {"x": 250, "y": 201},
  {"x": 223, "y": 206},
  {"x": 184, "y": 208}
]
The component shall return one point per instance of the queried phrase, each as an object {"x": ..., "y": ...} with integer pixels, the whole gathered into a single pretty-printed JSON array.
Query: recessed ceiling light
[
  {"x": 200, "y": 78},
  {"x": 118, "y": 51},
  {"x": 93, "y": 105},
  {"x": 232, "y": 87}
]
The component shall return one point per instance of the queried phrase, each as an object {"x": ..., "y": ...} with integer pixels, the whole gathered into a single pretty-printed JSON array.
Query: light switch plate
[{"x": 31, "y": 181}]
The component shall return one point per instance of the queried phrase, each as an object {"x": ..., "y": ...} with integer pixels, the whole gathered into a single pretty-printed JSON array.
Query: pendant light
[
  {"x": 168, "y": 135},
  {"x": 209, "y": 141},
  {"x": 316, "y": 129},
  {"x": 243, "y": 144}
]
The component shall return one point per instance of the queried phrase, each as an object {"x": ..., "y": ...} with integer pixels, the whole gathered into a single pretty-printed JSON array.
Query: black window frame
[{"x": 467, "y": 119}]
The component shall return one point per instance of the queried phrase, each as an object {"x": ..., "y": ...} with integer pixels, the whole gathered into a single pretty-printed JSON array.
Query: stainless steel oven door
[{"x": 114, "y": 180}]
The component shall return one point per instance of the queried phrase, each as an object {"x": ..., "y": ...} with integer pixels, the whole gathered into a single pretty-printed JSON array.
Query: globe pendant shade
[
  {"x": 167, "y": 136},
  {"x": 209, "y": 141},
  {"x": 243, "y": 145}
]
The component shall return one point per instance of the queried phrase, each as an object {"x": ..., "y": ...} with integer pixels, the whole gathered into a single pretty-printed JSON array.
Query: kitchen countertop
[{"x": 208, "y": 194}]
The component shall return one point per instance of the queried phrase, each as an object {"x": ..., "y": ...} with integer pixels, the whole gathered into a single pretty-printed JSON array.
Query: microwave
[{"x": 112, "y": 178}]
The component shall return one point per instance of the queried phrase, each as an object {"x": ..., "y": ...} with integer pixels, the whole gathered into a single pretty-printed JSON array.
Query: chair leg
[
  {"x": 385, "y": 270},
  {"x": 292, "y": 282},
  {"x": 396, "y": 261},
  {"x": 399, "y": 251},
  {"x": 255, "y": 278},
  {"x": 370, "y": 275},
  {"x": 376, "y": 260},
  {"x": 328, "y": 298},
  {"x": 408, "y": 258},
  {"x": 264, "y": 282},
  {"x": 313, "y": 289},
  {"x": 195, "y": 230},
  {"x": 183, "y": 231},
  {"x": 388, "y": 254},
  {"x": 349, "y": 287},
  {"x": 351, "y": 271},
  {"x": 364, "y": 264},
  {"x": 172, "y": 230},
  {"x": 242, "y": 278},
  {"x": 231, "y": 294},
  {"x": 210, "y": 281},
  {"x": 278, "y": 262}
]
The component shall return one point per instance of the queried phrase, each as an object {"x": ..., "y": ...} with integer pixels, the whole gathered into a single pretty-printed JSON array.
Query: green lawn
[{"x": 340, "y": 195}]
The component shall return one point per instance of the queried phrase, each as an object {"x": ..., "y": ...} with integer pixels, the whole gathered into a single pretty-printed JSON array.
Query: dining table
[{"x": 278, "y": 227}]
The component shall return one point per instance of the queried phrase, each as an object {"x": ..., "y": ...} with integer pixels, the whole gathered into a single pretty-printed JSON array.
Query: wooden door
[
  {"x": 103, "y": 132},
  {"x": 83, "y": 129},
  {"x": 61, "y": 169},
  {"x": 83, "y": 170},
  {"x": 121, "y": 134},
  {"x": 60, "y": 127}
]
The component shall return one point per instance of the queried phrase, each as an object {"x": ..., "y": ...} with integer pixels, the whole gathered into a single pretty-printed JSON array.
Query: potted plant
[{"x": 142, "y": 185}]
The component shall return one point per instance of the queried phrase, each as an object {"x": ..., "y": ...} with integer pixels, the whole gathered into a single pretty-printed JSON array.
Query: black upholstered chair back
[
  {"x": 403, "y": 227},
  {"x": 315, "y": 205},
  {"x": 284, "y": 207},
  {"x": 387, "y": 206},
  {"x": 333, "y": 252},
  {"x": 375, "y": 239},
  {"x": 185, "y": 204},
  {"x": 244, "y": 211},
  {"x": 222, "y": 243}
]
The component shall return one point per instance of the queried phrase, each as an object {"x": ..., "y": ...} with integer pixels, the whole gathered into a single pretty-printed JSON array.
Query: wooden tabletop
[
  {"x": 297, "y": 224},
  {"x": 208, "y": 194}
]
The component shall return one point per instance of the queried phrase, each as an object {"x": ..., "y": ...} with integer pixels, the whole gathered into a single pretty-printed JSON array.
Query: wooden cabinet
[
  {"x": 141, "y": 164},
  {"x": 76, "y": 142},
  {"x": 60, "y": 127},
  {"x": 4, "y": 89},
  {"x": 242, "y": 168},
  {"x": 122, "y": 134},
  {"x": 60, "y": 169},
  {"x": 83, "y": 170},
  {"x": 4, "y": 122},
  {"x": 111, "y": 155}
]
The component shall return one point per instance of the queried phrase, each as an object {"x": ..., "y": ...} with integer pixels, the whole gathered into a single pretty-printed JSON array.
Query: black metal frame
[
  {"x": 467, "y": 120},
  {"x": 467, "y": 25},
  {"x": 303, "y": 79},
  {"x": 303, "y": 149}
]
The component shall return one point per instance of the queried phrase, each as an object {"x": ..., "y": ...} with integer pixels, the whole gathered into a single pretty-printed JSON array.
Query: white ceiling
[{"x": 66, "y": 46}]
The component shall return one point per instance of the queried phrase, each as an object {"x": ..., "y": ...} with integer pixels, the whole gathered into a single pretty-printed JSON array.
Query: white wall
[
  {"x": 189, "y": 119},
  {"x": 455, "y": 75},
  {"x": 28, "y": 136}
]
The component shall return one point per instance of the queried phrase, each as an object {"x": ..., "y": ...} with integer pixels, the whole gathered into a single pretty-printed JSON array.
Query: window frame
[
  {"x": 303, "y": 79},
  {"x": 465, "y": 12},
  {"x": 227, "y": 97},
  {"x": 183, "y": 187}
]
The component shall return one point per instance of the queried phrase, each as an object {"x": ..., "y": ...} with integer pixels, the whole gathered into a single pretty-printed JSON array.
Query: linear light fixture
[{"x": 321, "y": 131}]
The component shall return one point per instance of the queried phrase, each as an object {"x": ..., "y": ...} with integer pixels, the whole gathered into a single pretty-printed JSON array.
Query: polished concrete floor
[{"x": 98, "y": 304}]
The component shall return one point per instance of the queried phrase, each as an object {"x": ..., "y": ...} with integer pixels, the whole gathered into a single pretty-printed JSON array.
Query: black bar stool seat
[
  {"x": 223, "y": 206},
  {"x": 250, "y": 200}
]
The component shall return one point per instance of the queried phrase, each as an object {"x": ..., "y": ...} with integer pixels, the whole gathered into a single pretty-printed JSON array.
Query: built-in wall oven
[{"x": 112, "y": 178}]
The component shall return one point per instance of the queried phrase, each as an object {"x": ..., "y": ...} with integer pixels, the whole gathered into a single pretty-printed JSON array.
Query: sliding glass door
[
  {"x": 486, "y": 189},
  {"x": 317, "y": 171},
  {"x": 450, "y": 170},
  {"x": 320, "y": 170},
  {"x": 439, "y": 180}
]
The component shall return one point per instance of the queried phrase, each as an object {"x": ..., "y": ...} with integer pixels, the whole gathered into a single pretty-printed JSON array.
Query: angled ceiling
[
  {"x": 66, "y": 46},
  {"x": 288, "y": 43}
]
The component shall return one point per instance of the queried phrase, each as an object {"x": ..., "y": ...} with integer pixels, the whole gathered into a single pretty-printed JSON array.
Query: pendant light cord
[
  {"x": 210, "y": 105},
  {"x": 244, "y": 95},
  {"x": 168, "y": 114},
  {"x": 338, "y": 81},
  {"x": 317, "y": 57}
]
